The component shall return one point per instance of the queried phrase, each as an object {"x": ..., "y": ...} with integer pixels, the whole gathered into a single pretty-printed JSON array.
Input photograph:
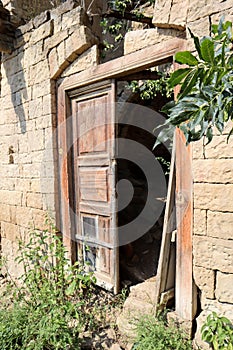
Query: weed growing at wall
[
  {"x": 218, "y": 332},
  {"x": 153, "y": 333},
  {"x": 49, "y": 304}
]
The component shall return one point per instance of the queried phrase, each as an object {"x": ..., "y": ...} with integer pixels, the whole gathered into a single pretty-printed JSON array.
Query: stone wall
[
  {"x": 212, "y": 175},
  {"x": 58, "y": 43},
  {"x": 24, "y": 10},
  {"x": 213, "y": 226},
  {"x": 44, "y": 48}
]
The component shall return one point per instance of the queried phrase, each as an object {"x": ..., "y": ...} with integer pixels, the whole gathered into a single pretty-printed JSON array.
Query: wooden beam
[
  {"x": 185, "y": 299},
  {"x": 129, "y": 16},
  {"x": 146, "y": 74},
  {"x": 128, "y": 64}
]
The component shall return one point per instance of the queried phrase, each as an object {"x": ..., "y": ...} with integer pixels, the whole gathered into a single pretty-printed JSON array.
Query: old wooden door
[{"x": 93, "y": 129}]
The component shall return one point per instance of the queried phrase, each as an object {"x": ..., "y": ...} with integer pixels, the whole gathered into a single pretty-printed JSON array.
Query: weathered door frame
[{"x": 129, "y": 64}]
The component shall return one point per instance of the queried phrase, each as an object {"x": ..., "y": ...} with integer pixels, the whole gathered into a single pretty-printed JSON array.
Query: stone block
[
  {"x": 198, "y": 342},
  {"x": 49, "y": 202},
  {"x": 139, "y": 39},
  {"x": 35, "y": 185},
  {"x": 219, "y": 148},
  {"x": 5, "y": 212},
  {"x": 76, "y": 17},
  {"x": 22, "y": 184},
  {"x": 39, "y": 218},
  {"x": 44, "y": 122},
  {"x": 36, "y": 140},
  {"x": 10, "y": 197},
  {"x": 34, "y": 200},
  {"x": 205, "y": 280},
  {"x": 44, "y": 31},
  {"x": 23, "y": 216},
  {"x": 40, "y": 19},
  {"x": 17, "y": 81},
  {"x": 38, "y": 73},
  {"x": 226, "y": 9},
  {"x": 9, "y": 231},
  {"x": 199, "y": 9},
  {"x": 31, "y": 171},
  {"x": 47, "y": 185},
  {"x": 78, "y": 42},
  {"x": 200, "y": 28},
  {"x": 55, "y": 40},
  {"x": 48, "y": 107},
  {"x": 199, "y": 222},
  {"x": 87, "y": 59},
  {"x": 35, "y": 108},
  {"x": 213, "y": 170},
  {"x": 213, "y": 253},
  {"x": 24, "y": 28},
  {"x": 53, "y": 63},
  {"x": 222, "y": 309},
  {"x": 41, "y": 89},
  {"x": 63, "y": 8},
  {"x": 215, "y": 197},
  {"x": 162, "y": 12},
  {"x": 62, "y": 62},
  {"x": 224, "y": 287},
  {"x": 220, "y": 224},
  {"x": 34, "y": 53},
  {"x": 178, "y": 13},
  {"x": 10, "y": 252}
]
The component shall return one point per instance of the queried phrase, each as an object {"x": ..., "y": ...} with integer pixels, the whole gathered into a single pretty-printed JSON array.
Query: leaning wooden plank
[
  {"x": 168, "y": 227},
  {"x": 185, "y": 300}
]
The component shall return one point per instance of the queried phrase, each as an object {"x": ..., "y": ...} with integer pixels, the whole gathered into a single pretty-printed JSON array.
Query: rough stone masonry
[{"x": 58, "y": 43}]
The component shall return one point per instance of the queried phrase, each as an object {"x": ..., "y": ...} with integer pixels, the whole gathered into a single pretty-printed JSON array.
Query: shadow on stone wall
[{"x": 15, "y": 74}]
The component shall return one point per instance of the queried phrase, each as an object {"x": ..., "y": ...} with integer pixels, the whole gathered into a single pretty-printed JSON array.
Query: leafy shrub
[
  {"x": 218, "y": 331},
  {"x": 155, "y": 334},
  {"x": 48, "y": 311},
  {"x": 205, "y": 100}
]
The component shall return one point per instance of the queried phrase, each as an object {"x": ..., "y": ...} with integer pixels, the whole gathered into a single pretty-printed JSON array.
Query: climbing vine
[{"x": 205, "y": 100}]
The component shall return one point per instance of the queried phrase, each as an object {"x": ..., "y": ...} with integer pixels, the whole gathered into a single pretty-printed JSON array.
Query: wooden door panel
[
  {"x": 93, "y": 125},
  {"x": 94, "y": 167},
  {"x": 94, "y": 184}
]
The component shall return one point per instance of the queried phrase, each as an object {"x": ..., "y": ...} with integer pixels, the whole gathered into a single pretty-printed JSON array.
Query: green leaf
[
  {"x": 168, "y": 106},
  {"x": 177, "y": 76},
  {"x": 189, "y": 83},
  {"x": 229, "y": 135},
  {"x": 70, "y": 290},
  {"x": 220, "y": 25},
  {"x": 196, "y": 42},
  {"x": 209, "y": 135},
  {"x": 185, "y": 57},
  {"x": 207, "y": 50}
]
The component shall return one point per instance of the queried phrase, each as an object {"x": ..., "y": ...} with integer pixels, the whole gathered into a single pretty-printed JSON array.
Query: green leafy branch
[
  {"x": 205, "y": 100},
  {"x": 118, "y": 20},
  {"x": 151, "y": 88}
]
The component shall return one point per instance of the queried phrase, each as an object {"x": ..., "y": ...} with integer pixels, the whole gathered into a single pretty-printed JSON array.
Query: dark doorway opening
[{"x": 138, "y": 259}]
